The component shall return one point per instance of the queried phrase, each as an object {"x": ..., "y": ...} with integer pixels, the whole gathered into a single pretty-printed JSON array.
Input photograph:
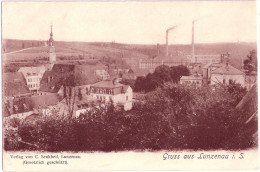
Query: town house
[{"x": 114, "y": 92}]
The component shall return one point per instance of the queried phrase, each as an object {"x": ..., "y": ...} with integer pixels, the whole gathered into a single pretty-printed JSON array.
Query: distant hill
[{"x": 130, "y": 52}]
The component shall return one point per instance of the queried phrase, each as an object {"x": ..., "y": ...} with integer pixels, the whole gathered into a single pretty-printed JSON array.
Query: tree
[
  {"x": 250, "y": 64},
  {"x": 171, "y": 117},
  {"x": 79, "y": 94},
  {"x": 236, "y": 91},
  {"x": 139, "y": 84},
  {"x": 178, "y": 71},
  {"x": 161, "y": 75}
]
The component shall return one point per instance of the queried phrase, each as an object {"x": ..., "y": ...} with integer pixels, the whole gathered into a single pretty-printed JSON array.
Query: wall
[{"x": 216, "y": 78}]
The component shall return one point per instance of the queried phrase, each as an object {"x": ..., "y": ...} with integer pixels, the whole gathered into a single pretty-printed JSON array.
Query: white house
[
  {"x": 33, "y": 76},
  {"x": 192, "y": 80},
  {"x": 225, "y": 73},
  {"x": 112, "y": 91}
]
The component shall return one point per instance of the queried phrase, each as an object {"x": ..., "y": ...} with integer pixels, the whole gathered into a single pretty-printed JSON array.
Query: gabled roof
[
  {"x": 248, "y": 106},
  {"x": 227, "y": 70},
  {"x": 107, "y": 84},
  {"x": 130, "y": 71},
  {"x": 110, "y": 84},
  {"x": 31, "y": 70},
  {"x": 43, "y": 100},
  {"x": 68, "y": 75},
  {"x": 125, "y": 87},
  {"x": 14, "y": 84}
]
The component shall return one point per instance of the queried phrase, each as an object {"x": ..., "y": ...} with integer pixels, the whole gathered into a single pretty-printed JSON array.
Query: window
[
  {"x": 224, "y": 81},
  {"x": 126, "y": 98}
]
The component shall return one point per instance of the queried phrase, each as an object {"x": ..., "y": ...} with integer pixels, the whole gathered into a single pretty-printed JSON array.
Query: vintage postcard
[{"x": 150, "y": 85}]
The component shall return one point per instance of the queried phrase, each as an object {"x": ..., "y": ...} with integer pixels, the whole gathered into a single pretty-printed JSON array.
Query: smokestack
[
  {"x": 167, "y": 38},
  {"x": 166, "y": 43},
  {"x": 158, "y": 51},
  {"x": 192, "y": 43}
]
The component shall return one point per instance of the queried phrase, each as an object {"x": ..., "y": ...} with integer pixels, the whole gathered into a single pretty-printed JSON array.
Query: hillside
[{"x": 129, "y": 52}]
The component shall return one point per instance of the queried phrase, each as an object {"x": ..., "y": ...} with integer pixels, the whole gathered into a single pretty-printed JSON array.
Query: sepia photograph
[{"x": 106, "y": 85}]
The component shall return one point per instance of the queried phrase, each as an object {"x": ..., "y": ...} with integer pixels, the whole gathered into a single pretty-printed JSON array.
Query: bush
[{"x": 172, "y": 117}]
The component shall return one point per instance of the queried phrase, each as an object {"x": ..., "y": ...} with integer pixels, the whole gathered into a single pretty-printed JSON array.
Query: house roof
[
  {"x": 107, "y": 84},
  {"x": 32, "y": 70},
  {"x": 249, "y": 98},
  {"x": 68, "y": 75},
  {"x": 26, "y": 104},
  {"x": 249, "y": 105},
  {"x": 14, "y": 84},
  {"x": 110, "y": 84},
  {"x": 43, "y": 100},
  {"x": 125, "y": 87},
  {"x": 227, "y": 70}
]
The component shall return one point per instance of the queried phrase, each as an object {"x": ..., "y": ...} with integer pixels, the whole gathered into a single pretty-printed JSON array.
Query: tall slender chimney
[
  {"x": 167, "y": 38},
  {"x": 192, "y": 43},
  {"x": 166, "y": 43},
  {"x": 158, "y": 51}
]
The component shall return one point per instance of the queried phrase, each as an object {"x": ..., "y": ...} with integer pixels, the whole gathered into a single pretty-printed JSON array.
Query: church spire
[
  {"x": 51, "y": 31},
  {"x": 51, "y": 41}
]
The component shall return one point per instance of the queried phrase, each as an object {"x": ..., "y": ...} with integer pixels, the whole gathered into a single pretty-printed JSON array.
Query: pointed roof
[
  {"x": 14, "y": 84},
  {"x": 51, "y": 36},
  {"x": 227, "y": 70},
  {"x": 51, "y": 31},
  {"x": 68, "y": 75},
  {"x": 31, "y": 70}
]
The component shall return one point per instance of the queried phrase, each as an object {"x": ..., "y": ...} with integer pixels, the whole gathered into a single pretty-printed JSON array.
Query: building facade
[
  {"x": 196, "y": 80},
  {"x": 226, "y": 73},
  {"x": 33, "y": 76},
  {"x": 114, "y": 92},
  {"x": 204, "y": 59}
]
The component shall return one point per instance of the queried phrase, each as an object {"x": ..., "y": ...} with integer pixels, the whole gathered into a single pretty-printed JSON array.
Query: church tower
[{"x": 52, "y": 54}]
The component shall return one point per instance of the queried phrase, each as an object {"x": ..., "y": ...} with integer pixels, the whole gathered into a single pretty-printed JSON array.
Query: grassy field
[{"x": 131, "y": 53}]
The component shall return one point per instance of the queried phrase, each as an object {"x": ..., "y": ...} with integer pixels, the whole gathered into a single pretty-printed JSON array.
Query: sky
[{"x": 131, "y": 22}]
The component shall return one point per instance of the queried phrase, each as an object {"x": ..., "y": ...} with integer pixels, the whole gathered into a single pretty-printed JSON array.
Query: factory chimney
[
  {"x": 192, "y": 43},
  {"x": 167, "y": 31},
  {"x": 158, "y": 50}
]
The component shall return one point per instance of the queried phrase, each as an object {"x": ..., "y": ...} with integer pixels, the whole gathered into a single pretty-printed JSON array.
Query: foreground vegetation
[{"x": 171, "y": 117}]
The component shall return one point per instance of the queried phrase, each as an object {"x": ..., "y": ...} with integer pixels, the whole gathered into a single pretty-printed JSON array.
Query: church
[{"x": 52, "y": 54}]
